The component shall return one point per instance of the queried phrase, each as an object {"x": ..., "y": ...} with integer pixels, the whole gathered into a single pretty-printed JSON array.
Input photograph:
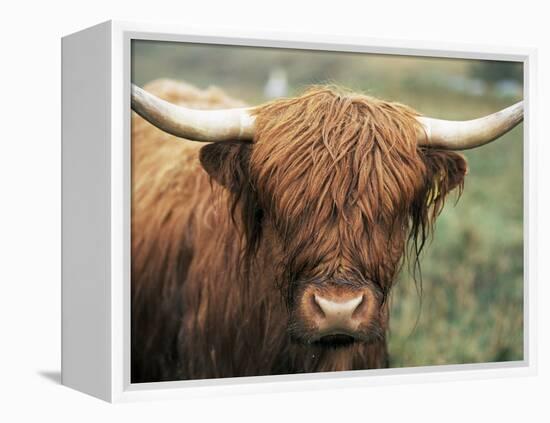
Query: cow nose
[
  {"x": 338, "y": 316},
  {"x": 335, "y": 314}
]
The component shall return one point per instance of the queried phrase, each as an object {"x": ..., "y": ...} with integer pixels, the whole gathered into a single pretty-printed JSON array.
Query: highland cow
[{"x": 273, "y": 248}]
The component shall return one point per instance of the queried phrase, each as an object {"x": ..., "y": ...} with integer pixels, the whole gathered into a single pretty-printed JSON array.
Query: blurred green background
[{"x": 471, "y": 307}]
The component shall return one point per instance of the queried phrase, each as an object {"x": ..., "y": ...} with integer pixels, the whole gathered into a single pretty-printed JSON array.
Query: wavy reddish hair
[{"x": 334, "y": 186}]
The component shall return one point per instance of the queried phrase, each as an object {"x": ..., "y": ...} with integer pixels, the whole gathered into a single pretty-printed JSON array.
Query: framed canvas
[{"x": 272, "y": 212}]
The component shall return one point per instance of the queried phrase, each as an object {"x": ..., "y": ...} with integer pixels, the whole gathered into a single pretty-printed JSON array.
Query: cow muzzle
[{"x": 337, "y": 315}]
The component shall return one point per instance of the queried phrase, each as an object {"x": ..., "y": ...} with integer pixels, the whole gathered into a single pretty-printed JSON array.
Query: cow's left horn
[
  {"x": 194, "y": 125},
  {"x": 463, "y": 135}
]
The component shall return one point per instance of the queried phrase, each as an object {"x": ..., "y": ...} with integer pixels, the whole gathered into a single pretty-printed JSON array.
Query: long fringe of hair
[{"x": 328, "y": 165}]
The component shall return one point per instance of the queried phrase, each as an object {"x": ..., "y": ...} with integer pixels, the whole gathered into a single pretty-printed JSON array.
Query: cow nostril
[{"x": 317, "y": 307}]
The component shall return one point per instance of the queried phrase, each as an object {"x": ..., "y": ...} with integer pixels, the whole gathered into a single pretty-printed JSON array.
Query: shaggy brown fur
[{"x": 332, "y": 189}]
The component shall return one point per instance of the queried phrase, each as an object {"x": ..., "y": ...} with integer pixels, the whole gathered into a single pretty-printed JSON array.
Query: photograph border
[{"x": 122, "y": 33}]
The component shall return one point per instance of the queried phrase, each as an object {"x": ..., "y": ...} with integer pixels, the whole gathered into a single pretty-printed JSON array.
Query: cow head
[{"x": 332, "y": 189}]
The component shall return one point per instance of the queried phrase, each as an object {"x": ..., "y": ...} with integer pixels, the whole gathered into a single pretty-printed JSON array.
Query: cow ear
[
  {"x": 445, "y": 171},
  {"x": 226, "y": 163}
]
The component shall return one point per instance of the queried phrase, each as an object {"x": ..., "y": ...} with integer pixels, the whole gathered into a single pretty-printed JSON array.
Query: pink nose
[
  {"x": 338, "y": 316},
  {"x": 336, "y": 312}
]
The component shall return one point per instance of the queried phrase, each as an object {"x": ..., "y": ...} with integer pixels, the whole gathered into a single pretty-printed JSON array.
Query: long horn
[
  {"x": 463, "y": 135},
  {"x": 195, "y": 125}
]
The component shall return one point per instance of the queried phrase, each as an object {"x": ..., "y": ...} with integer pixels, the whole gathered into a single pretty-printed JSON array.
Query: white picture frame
[{"x": 96, "y": 213}]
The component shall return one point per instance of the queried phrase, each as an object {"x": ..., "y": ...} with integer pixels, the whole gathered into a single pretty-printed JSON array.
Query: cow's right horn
[
  {"x": 194, "y": 125},
  {"x": 463, "y": 135}
]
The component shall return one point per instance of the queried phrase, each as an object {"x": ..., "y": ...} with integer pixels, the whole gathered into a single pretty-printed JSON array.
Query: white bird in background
[{"x": 277, "y": 84}]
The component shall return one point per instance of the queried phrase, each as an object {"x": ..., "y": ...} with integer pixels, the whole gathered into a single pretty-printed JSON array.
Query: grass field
[{"x": 471, "y": 306}]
